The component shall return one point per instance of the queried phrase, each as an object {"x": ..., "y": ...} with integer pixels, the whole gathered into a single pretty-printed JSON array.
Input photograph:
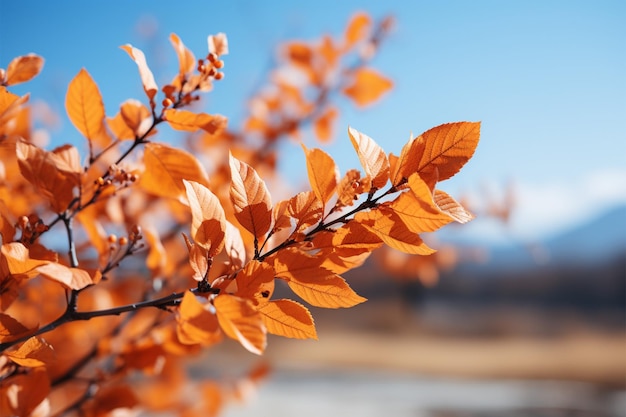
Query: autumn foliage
[{"x": 121, "y": 261}]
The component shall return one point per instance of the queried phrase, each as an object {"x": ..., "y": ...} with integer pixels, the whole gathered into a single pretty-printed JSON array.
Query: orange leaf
[
  {"x": 186, "y": 59},
  {"x": 388, "y": 225},
  {"x": 208, "y": 221},
  {"x": 234, "y": 246},
  {"x": 323, "y": 125},
  {"x": 446, "y": 148},
  {"x": 84, "y": 106},
  {"x": 451, "y": 207},
  {"x": 19, "y": 261},
  {"x": 281, "y": 216},
  {"x": 23, "y": 68},
  {"x": 345, "y": 248},
  {"x": 240, "y": 321},
  {"x": 147, "y": 79},
  {"x": 255, "y": 282},
  {"x": 165, "y": 169},
  {"x": 324, "y": 289},
  {"x": 196, "y": 324},
  {"x": 21, "y": 394},
  {"x": 314, "y": 284},
  {"x": 306, "y": 208},
  {"x": 372, "y": 157},
  {"x": 118, "y": 127},
  {"x": 367, "y": 86},
  {"x": 198, "y": 259},
  {"x": 417, "y": 208},
  {"x": 357, "y": 29},
  {"x": 54, "y": 173},
  {"x": 289, "y": 319},
  {"x": 404, "y": 165},
  {"x": 8, "y": 100},
  {"x": 136, "y": 116},
  {"x": 10, "y": 328},
  {"x": 114, "y": 400},
  {"x": 73, "y": 278},
  {"x": 250, "y": 197},
  {"x": 190, "y": 121},
  {"x": 323, "y": 173},
  {"x": 32, "y": 353}
]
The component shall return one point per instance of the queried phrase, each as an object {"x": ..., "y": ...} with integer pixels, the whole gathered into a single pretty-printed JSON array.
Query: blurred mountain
[
  {"x": 581, "y": 272},
  {"x": 599, "y": 240},
  {"x": 582, "y": 269}
]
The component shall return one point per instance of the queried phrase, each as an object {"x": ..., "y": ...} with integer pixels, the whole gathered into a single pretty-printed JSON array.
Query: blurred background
[{"x": 522, "y": 312}]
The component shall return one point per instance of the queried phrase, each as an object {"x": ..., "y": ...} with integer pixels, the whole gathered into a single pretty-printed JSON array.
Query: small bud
[
  {"x": 167, "y": 102},
  {"x": 219, "y": 64},
  {"x": 123, "y": 241},
  {"x": 212, "y": 57},
  {"x": 112, "y": 238},
  {"x": 218, "y": 76},
  {"x": 100, "y": 181},
  {"x": 136, "y": 231},
  {"x": 23, "y": 222}
]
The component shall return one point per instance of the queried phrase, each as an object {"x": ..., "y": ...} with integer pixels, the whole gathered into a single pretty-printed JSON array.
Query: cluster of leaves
[{"x": 197, "y": 260}]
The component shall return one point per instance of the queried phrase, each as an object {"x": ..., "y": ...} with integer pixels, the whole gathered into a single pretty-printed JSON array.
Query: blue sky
[{"x": 546, "y": 78}]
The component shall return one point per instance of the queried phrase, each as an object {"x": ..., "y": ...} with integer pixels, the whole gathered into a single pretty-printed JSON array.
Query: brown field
[{"x": 493, "y": 344}]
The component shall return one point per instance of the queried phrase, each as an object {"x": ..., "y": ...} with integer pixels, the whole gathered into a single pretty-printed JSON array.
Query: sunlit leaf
[
  {"x": 367, "y": 86},
  {"x": 23, "y": 68},
  {"x": 10, "y": 328},
  {"x": 198, "y": 259},
  {"x": 234, "y": 246},
  {"x": 323, "y": 173},
  {"x": 240, "y": 321},
  {"x": 54, "y": 173},
  {"x": 196, "y": 323},
  {"x": 19, "y": 261},
  {"x": 446, "y": 148},
  {"x": 288, "y": 318},
  {"x": 306, "y": 208},
  {"x": 208, "y": 221},
  {"x": 417, "y": 208},
  {"x": 450, "y": 206},
  {"x": 255, "y": 282},
  {"x": 404, "y": 165},
  {"x": 72, "y": 278},
  {"x": 7, "y": 100},
  {"x": 357, "y": 29},
  {"x": 186, "y": 58},
  {"x": 147, "y": 79},
  {"x": 250, "y": 197},
  {"x": 136, "y": 116},
  {"x": 313, "y": 283},
  {"x": 190, "y": 121},
  {"x": 165, "y": 169},
  {"x": 372, "y": 157},
  {"x": 85, "y": 109},
  {"x": 388, "y": 225},
  {"x": 32, "y": 353}
]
